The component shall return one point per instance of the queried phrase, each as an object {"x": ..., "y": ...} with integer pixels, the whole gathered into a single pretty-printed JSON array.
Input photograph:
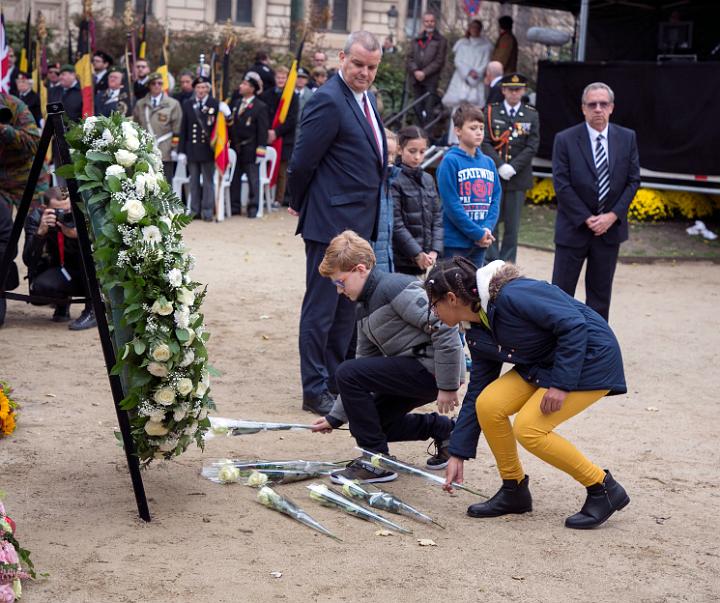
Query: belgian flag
[
  {"x": 83, "y": 66},
  {"x": 163, "y": 65},
  {"x": 143, "y": 34},
  {"x": 26, "y": 54}
]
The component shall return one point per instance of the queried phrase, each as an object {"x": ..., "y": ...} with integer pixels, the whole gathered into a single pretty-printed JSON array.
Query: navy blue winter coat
[{"x": 552, "y": 339}]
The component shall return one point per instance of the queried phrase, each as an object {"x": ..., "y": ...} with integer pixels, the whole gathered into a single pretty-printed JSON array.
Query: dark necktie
[
  {"x": 512, "y": 113},
  {"x": 603, "y": 173},
  {"x": 366, "y": 106}
]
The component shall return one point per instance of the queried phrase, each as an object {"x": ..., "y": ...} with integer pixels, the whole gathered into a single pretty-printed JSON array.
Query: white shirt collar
[
  {"x": 496, "y": 80},
  {"x": 159, "y": 97},
  {"x": 594, "y": 133},
  {"x": 508, "y": 108},
  {"x": 358, "y": 95},
  {"x": 99, "y": 76}
]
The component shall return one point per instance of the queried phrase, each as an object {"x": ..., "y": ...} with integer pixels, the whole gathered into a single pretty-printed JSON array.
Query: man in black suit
[
  {"x": 334, "y": 178},
  {"x": 493, "y": 81},
  {"x": 114, "y": 97},
  {"x": 68, "y": 93},
  {"x": 263, "y": 69},
  {"x": 198, "y": 120},
  {"x": 142, "y": 73},
  {"x": 27, "y": 95},
  {"x": 596, "y": 171},
  {"x": 101, "y": 62},
  {"x": 248, "y": 136}
]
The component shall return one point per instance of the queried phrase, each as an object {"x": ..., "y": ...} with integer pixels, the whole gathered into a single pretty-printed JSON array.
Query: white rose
[
  {"x": 107, "y": 137},
  {"x": 228, "y": 474},
  {"x": 165, "y": 396},
  {"x": 155, "y": 428},
  {"x": 151, "y": 235},
  {"x": 188, "y": 358},
  {"x": 184, "y": 386},
  {"x": 185, "y": 296},
  {"x": 161, "y": 352},
  {"x": 140, "y": 184},
  {"x": 174, "y": 277},
  {"x": 180, "y": 413},
  {"x": 115, "y": 170},
  {"x": 157, "y": 369},
  {"x": 203, "y": 386},
  {"x": 151, "y": 181},
  {"x": 182, "y": 318},
  {"x": 257, "y": 479},
  {"x": 162, "y": 307},
  {"x": 132, "y": 143},
  {"x": 191, "y": 429},
  {"x": 266, "y": 496},
  {"x": 89, "y": 125},
  {"x": 135, "y": 210},
  {"x": 202, "y": 414},
  {"x": 125, "y": 158}
]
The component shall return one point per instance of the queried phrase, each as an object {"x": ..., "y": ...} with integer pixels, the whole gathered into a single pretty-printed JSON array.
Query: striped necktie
[{"x": 603, "y": 173}]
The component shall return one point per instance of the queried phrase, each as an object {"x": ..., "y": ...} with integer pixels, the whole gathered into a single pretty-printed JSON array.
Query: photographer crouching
[{"x": 52, "y": 256}]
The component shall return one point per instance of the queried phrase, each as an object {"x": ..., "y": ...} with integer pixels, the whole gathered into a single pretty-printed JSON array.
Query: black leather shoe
[
  {"x": 3, "y": 307},
  {"x": 601, "y": 502},
  {"x": 512, "y": 499},
  {"x": 321, "y": 405},
  {"x": 61, "y": 314},
  {"x": 85, "y": 321},
  {"x": 252, "y": 211}
]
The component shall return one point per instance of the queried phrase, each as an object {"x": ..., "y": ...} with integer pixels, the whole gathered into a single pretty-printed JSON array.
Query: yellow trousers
[{"x": 511, "y": 394}]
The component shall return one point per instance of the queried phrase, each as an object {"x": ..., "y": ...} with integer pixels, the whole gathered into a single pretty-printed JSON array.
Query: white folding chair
[
  {"x": 266, "y": 167},
  {"x": 180, "y": 180},
  {"x": 223, "y": 187}
]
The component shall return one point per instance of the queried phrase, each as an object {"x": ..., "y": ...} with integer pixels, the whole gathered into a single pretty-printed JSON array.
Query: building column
[
  {"x": 355, "y": 18},
  {"x": 259, "y": 17}
]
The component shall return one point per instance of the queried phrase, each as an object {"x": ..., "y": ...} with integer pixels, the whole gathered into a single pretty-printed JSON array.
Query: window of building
[
  {"x": 416, "y": 9},
  {"x": 330, "y": 15},
  {"x": 238, "y": 11}
]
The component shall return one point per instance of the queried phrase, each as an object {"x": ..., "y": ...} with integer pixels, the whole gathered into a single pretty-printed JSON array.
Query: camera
[{"x": 64, "y": 217}]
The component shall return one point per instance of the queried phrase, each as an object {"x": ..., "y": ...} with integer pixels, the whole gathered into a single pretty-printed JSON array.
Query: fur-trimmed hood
[{"x": 483, "y": 277}]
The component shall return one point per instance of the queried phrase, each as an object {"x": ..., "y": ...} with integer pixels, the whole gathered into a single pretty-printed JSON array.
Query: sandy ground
[{"x": 69, "y": 491}]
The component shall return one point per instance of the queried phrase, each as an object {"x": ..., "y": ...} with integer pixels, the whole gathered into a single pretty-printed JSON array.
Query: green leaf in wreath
[
  {"x": 94, "y": 172},
  {"x": 99, "y": 156},
  {"x": 89, "y": 186},
  {"x": 139, "y": 347},
  {"x": 98, "y": 197},
  {"x": 66, "y": 171},
  {"x": 182, "y": 334},
  {"x": 114, "y": 184}
]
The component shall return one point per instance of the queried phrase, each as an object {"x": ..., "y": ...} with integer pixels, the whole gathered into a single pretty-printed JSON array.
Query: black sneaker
[
  {"x": 322, "y": 405},
  {"x": 439, "y": 459},
  {"x": 61, "y": 314},
  {"x": 363, "y": 472},
  {"x": 85, "y": 321}
]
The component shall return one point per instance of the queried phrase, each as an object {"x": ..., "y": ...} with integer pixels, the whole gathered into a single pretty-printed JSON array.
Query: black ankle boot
[
  {"x": 512, "y": 498},
  {"x": 601, "y": 502}
]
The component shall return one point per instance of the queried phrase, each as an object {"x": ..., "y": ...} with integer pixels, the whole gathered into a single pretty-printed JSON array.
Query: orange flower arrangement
[{"x": 7, "y": 410}]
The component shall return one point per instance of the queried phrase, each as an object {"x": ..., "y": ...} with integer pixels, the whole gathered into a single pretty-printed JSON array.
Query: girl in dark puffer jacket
[{"x": 418, "y": 222}]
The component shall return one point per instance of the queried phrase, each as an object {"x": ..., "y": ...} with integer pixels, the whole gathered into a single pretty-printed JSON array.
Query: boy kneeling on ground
[{"x": 405, "y": 358}]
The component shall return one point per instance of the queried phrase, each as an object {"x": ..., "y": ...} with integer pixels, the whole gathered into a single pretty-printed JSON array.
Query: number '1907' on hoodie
[{"x": 470, "y": 191}]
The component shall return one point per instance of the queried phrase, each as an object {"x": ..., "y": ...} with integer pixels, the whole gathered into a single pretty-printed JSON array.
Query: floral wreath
[
  {"x": 143, "y": 267},
  {"x": 8, "y": 407}
]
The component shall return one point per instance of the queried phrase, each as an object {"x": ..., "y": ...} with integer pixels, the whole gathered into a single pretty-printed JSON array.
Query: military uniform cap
[
  {"x": 67, "y": 67},
  {"x": 514, "y": 80},
  {"x": 201, "y": 79},
  {"x": 154, "y": 76},
  {"x": 23, "y": 75},
  {"x": 301, "y": 72},
  {"x": 255, "y": 80},
  {"x": 104, "y": 56}
]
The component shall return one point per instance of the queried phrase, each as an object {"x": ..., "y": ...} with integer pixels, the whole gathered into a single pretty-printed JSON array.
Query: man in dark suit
[
  {"x": 101, "y": 62},
  {"x": 114, "y": 97},
  {"x": 249, "y": 124},
  {"x": 27, "y": 95},
  {"x": 493, "y": 81},
  {"x": 335, "y": 176},
  {"x": 596, "y": 171},
  {"x": 68, "y": 93},
  {"x": 263, "y": 69},
  {"x": 425, "y": 60},
  {"x": 198, "y": 119}
]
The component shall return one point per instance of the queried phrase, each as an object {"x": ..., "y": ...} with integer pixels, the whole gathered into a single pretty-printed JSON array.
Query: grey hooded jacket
[{"x": 392, "y": 317}]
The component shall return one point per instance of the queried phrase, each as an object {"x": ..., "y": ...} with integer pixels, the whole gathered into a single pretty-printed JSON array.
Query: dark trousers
[
  {"x": 327, "y": 322},
  {"x": 378, "y": 394},
  {"x": 253, "y": 177},
  {"x": 424, "y": 110},
  {"x": 510, "y": 212},
  {"x": 599, "y": 272},
  {"x": 169, "y": 170},
  {"x": 52, "y": 283},
  {"x": 203, "y": 201}
]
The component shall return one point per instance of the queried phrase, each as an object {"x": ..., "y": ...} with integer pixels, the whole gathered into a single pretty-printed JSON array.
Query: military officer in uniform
[
  {"x": 161, "y": 116},
  {"x": 114, "y": 98},
  {"x": 199, "y": 114},
  {"x": 249, "y": 125},
  {"x": 512, "y": 137}
]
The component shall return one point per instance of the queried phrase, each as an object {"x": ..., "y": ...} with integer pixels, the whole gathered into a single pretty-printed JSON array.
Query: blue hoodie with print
[{"x": 470, "y": 191}]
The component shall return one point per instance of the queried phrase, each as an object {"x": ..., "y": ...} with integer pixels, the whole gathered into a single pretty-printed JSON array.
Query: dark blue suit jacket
[
  {"x": 336, "y": 170},
  {"x": 575, "y": 181}
]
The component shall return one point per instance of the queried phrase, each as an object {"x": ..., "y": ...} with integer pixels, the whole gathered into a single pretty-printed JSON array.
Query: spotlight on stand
[{"x": 549, "y": 37}]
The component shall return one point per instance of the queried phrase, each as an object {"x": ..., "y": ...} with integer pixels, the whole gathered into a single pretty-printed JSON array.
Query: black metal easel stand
[{"x": 54, "y": 127}]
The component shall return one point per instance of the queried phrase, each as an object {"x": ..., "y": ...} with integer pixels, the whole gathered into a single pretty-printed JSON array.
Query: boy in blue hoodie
[{"x": 470, "y": 189}]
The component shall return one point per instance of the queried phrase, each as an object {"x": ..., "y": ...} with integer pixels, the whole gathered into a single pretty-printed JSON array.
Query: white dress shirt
[{"x": 508, "y": 108}]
